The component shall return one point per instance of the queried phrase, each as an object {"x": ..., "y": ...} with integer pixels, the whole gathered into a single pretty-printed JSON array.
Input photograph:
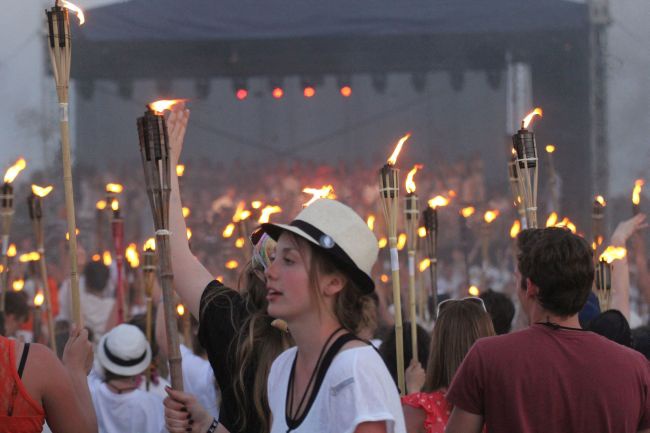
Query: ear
[
  {"x": 333, "y": 284},
  {"x": 531, "y": 289}
]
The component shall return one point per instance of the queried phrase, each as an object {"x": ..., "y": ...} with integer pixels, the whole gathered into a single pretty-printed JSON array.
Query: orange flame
[
  {"x": 115, "y": 188},
  {"x": 150, "y": 244},
  {"x": 566, "y": 222},
  {"x": 515, "y": 229},
  {"x": 612, "y": 253},
  {"x": 40, "y": 191},
  {"x": 13, "y": 171},
  {"x": 474, "y": 291},
  {"x": 106, "y": 258},
  {"x": 382, "y": 243},
  {"x": 180, "y": 170},
  {"x": 467, "y": 211},
  {"x": 239, "y": 243},
  {"x": 256, "y": 204},
  {"x": 241, "y": 213},
  {"x": 101, "y": 205},
  {"x": 438, "y": 201},
  {"x": 424, "y": 264},
  {"x": 115, "y": 205},
  {"x": 180, "y": 309},
  {"x": 383, "y": 278},
  {"x": 410, "y": 184},
  {"x": 11, "y": 251},
  {"x": 636, "y": 192},
  {"x": 29, "y": 257},
  {"x": 67, "y": 234},
  {"x": 371, "y": 222},
  {"x": 39, "y": 299},
  {"x": 18, "y": 285},
  {"x": 186, "y": 211},
  {"x": 490, "y": 215},
  {"x": 601, "y": 200},
  {"x": 422, "y": 232},
  {"x": 401, "y": 241},
  {"x": 327, "y": 191},
  {"x": 188, "y": 233},
  {"x": 74, "y": 9},
  {"x": 161, "y": 105},
  {"x": 228, "y": 231},
  {"x": 550, "y": 148},
  {"x": 96, "y": 257},
  {"x": 529, "y": 117},
  {"x": 393, "y": 158},
  {"x": 551, "y": 220},
  {"x": 232, "y": 264},
  {"x": 131, "y": 255},
  {"x": 267, "y": 212}
]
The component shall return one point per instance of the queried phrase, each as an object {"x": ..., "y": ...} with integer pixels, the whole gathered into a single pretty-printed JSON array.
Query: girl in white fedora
[{"x": 318, "y": 283}]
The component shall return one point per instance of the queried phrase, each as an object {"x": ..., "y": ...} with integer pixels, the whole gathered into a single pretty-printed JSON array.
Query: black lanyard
[{"x": 555, "y": 326}]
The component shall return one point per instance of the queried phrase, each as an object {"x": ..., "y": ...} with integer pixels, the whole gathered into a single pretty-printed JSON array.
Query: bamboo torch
[
  {"x": 597, "y": 216},
  {"x": 36, "y": 215},
  {"x": 154, "y": 152},
  {"x": 636, "y": 196},
  {"x": 603, "y": 280},
  {"x": 36, "y": 323},
  {"x": 430, "y": 216},
  {"x": 552, "y": 174},
  {"x": 149, "y": 274},
  {"x": 488, "y": 217},
  {"x": 412, "y": 216},
  {"x": 6, "y": 217},
  {"x": 515, "y": 188},
  {"x": 60, "y": 44},
  {"x": 464, "y": 215},
  {"x": 526, "y": 148},
  {"x": 389, "y": 196},
  {"x": 186, "y": 325},
  {"x": 117, "y": 229},
  {"x": 240, "y": 219}
]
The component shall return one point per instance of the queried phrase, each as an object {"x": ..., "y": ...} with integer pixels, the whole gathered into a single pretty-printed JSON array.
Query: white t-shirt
[
  {"x": 132, "y": 412},
  {"x": 198, "y": 379},
  {"x": 357, "y": 388}
]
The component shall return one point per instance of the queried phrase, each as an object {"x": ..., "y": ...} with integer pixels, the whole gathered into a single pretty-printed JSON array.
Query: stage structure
[{"x": 546, "y": 53}]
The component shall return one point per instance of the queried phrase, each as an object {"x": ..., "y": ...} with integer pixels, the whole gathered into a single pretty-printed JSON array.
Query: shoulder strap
[{"x": 23, "y": 360}]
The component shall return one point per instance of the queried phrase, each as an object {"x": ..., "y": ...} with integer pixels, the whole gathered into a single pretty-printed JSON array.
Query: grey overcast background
[{"x": 27, "y": 99}]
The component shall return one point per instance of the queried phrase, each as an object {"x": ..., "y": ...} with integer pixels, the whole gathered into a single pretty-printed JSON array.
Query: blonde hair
[{"x": 459, "y": 325}]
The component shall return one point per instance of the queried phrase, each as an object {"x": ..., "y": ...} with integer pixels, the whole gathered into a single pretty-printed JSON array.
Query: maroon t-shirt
[{"x": 542, "y": 380}]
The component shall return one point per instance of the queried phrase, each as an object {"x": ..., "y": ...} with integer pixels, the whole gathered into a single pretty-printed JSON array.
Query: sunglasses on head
[{"x": 473, "y": 299}]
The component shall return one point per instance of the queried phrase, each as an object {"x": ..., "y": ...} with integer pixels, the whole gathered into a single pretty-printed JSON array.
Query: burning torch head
[
  {"x": 58, "y": 26},
  {"x": 152, "y": 132}
]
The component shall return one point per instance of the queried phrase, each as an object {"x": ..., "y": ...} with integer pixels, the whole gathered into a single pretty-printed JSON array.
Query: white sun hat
[
  {"x": 338, "y": 231},
  {"x": 124, "y": 351}
]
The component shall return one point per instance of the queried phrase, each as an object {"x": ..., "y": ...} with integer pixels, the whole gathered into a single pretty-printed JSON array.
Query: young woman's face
[{"x": 287, "y": 281}]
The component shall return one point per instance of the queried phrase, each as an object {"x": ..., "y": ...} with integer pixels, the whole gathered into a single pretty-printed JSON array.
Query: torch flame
[
  {"x": 239, "y": 243},
  {"x": 566, "y": 222},
  {"x": 131, "y": 255},
  {"x": 410, "y": 184},
  {"x": 188, "y": 233},
  {"x": 467, "y": 211},
  {"x": 381, "y": 243},
  {"x": 180, "y": 170},
  {"x": 636, "y": 192},
  {"x": 515, "y": 229},
  {"x": 96, "y": 257},
  {"x": 490, "y": 215},
  {"x": 327, "y": 191},
  {"x": 228, "y": 231},
  {"x": 186, "y": 211},
  {"x": 371, "y": 222},
  {"x": 551, "y": 220},
  {"x": 240, "y": 213},
  {"x": 601, "y": 200},
  {"x": 106, "y": 258},
  {"x": 180, "y": 309},
  {"x": 39, "y": 299},
  {"x": 612, "y": 253},
  {"x": 232, "y": 264},
  {"x": 424, "y": 264},
  {"x": 161, "y": 105},
  {"x": 401, "y": 241},
  {"x": 101, "y": 205},
  {"x": 267, "y": 212},
  {"x": 115, "y": 205},
  {"x": 256, "y": 204},
  {"x": 438, "y": 201},
  {"x": 67, "y": 234},
  {"x": 29, "y": 257},
  {"x": 75, "y": 9},
  {"x": 550, "y": 148},
  {"x": 393, "y": 158},
  {"x": 474, "y": 291},
  {"x": 40, "y": 191},
  {"x": 115, "y": 188},
  {"x": 13, "y": 171},
  {"x": 18, "y": 285},
  {"x": 529, "y": 117},
  {"x": 422, "y": 232},
  {"x": 11, "y": 252},
  {"x": 150, "y": 244},
  {"x": 384, "y": 278}
]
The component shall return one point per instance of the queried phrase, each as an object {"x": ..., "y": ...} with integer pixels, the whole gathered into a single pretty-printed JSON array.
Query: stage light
[
  {"x": 346, "y": 91},
  {"x": 277, "y": 92},
  {"x": 241, "y": 88},
  {"x": 241, "y": 94},
  {"x": 309, "y": 91},
  {"x": 345, "y": 85}
]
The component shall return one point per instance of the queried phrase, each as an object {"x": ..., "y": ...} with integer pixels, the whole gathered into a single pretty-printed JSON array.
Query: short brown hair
[{"x": 459, "y": 325}]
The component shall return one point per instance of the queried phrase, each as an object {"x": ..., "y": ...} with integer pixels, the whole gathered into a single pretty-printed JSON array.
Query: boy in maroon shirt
[{"x": 553, "y": 376}]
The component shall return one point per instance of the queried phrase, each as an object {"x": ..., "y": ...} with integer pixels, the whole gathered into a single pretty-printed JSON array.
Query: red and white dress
[{"x": 435, "y": 406}]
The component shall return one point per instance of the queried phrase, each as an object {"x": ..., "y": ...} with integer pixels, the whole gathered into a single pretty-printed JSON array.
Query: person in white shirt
[{"x": 122, "y": 356}]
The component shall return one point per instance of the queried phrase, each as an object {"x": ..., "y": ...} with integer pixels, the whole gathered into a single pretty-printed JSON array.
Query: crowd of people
[{"x": 300, "y": 336}]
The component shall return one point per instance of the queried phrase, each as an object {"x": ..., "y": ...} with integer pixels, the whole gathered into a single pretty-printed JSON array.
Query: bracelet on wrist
[{"x": 213, "y": 426}]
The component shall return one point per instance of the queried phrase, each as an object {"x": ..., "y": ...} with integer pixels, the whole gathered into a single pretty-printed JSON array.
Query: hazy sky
[{"x": 27, "y": 100}]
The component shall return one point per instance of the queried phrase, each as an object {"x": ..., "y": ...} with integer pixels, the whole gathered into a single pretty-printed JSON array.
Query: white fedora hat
[
  {"x": 340, "y": 233},
  {"x": 124, "y": 351}
]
